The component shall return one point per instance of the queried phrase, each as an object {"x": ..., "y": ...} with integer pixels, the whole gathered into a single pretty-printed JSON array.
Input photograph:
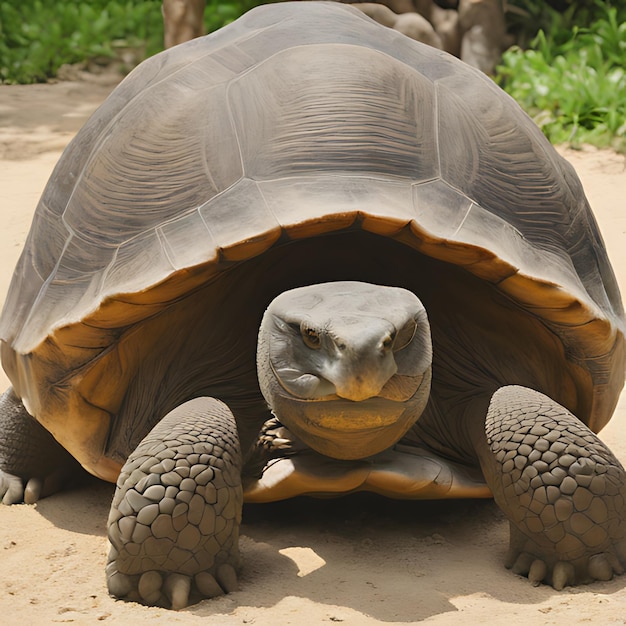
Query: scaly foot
[
  {"x": 561, "y": 487},
  {"x": 174, "y": 521}
]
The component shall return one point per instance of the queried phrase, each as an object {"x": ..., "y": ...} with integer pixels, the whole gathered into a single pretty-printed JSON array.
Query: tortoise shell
[{"x": 302, "y": 143}]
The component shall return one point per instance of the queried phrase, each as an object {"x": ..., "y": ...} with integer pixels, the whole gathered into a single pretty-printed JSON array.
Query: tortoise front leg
[
  {"x": 32, "y": 463},
  {"x": 174, "y": 521},
  {"x": 562, "y": 489}
]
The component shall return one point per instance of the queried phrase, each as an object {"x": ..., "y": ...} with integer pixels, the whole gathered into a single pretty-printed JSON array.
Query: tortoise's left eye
[
  {"x": 388, "y": 341},
  {"x": 310, "y": 337}
]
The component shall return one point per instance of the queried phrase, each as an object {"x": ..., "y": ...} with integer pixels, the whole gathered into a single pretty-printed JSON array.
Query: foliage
[
  {"x": 218, "y": 13},
  {"x": 38, "y": 36},
  {"x": 572, "y": 78},
  {"x": 525, "y": 18}
]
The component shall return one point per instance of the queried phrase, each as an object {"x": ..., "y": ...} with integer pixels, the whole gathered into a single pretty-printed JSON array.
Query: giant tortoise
[{"x": 308, "y": 255}]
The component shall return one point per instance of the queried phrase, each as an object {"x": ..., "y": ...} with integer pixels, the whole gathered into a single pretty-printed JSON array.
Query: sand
[{"x": 359, "y": 561}]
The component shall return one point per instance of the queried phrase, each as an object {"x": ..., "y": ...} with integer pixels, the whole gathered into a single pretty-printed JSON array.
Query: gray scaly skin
[
  {"x": 32, "y": 463},
  {"x": 562, "y": 489},
  {"x": 174, "y": 520}
]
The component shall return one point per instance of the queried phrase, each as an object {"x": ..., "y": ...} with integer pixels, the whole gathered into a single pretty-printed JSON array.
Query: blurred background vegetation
[{"x": 567, "y": 69}]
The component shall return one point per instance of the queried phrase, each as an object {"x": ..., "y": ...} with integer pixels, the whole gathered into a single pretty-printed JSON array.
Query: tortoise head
[{"x": 346, "y": 366}]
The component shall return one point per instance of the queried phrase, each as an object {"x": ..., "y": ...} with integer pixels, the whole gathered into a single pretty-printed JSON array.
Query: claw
[
  {"x": 32, "y": 492},
  {"x": 600, "y": 568},
  {"x": 120, "y": 585},
  {"x": 12, "y": 487},
  {"x": 149, "y": 587},
  {"x": 227, "y": 578},
  {"x": 275, "y": 436},
  {"x": 207, "y": 585},
  {"x": 615, "y": 564},
  {"x": 280, "y": 442},
  {"x": 562, "y": 575},
  {"x": 177, "y": 588},
  {"x": 280, "y": 433},
  {"x": 537, "y": 572},
  {"x": 522, "y": 564}
]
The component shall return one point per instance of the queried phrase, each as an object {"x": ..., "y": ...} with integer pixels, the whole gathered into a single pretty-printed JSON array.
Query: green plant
[
  {"x": 572, "y": 79},
  {"x": 218, "y": 14},
  {"x": 525, "y": 18},
  {"x": 37, "y": 37}
]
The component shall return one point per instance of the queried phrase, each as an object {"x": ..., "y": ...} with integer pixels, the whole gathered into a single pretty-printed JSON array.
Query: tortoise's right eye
[{"x": 310, "y": 337}]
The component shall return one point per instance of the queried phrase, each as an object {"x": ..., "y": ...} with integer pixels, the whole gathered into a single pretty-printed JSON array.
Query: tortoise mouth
[
  {"x": 348, "y": 430},
  {"x": 343, "y": 429},
  {"x": 339, "y": 415}
]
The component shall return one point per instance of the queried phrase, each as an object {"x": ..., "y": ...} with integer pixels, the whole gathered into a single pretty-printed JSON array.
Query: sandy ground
[{"x": 359, "y": 561}]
